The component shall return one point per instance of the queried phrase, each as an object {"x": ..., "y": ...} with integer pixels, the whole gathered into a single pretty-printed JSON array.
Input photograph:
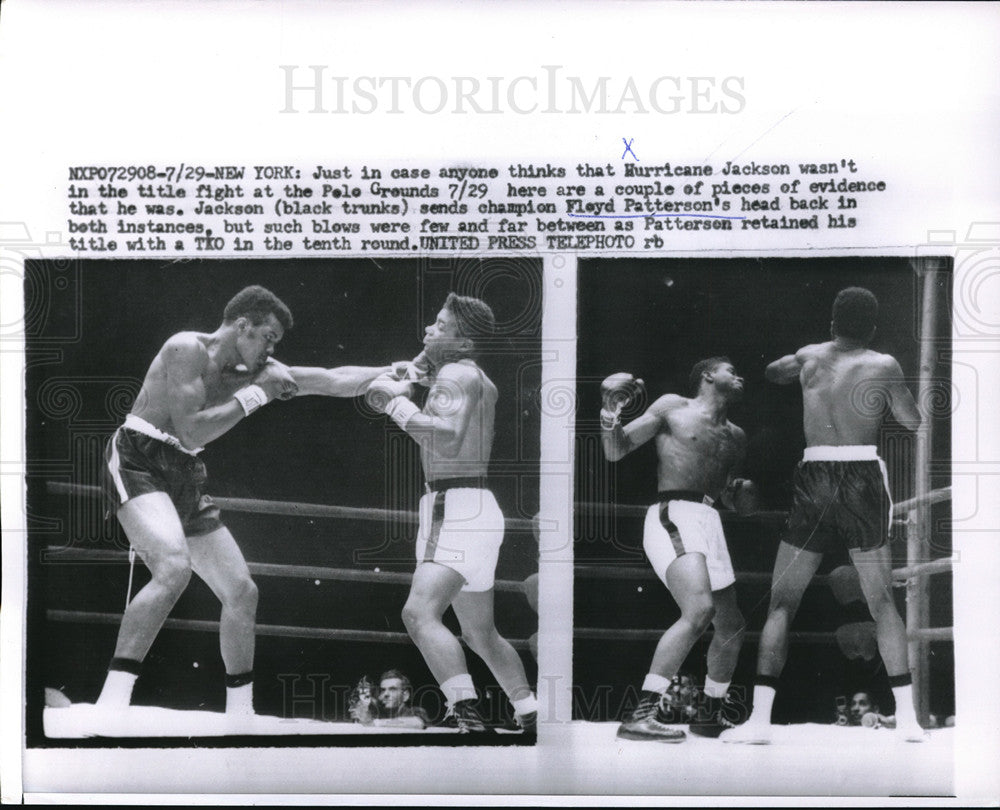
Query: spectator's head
[
  {"x": 394, "y": 690},
  {"x": 861, "y": 704}
]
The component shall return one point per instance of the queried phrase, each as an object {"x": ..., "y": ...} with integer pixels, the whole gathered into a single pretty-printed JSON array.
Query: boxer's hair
[
  {"x": 855, "y": 310},
  {"x": 702, "y": 366},
  {"x": 473, "y": 317},
  {"x": 255, "y": 303}
]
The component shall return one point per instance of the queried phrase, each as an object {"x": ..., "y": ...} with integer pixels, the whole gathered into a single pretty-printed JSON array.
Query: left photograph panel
[{"x": 282, "y": 502}]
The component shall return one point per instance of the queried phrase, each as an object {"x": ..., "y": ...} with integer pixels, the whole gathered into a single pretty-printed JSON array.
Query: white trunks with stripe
[
  {"x": 682, "y": 523},
  {"x": 461, "y": 527}
]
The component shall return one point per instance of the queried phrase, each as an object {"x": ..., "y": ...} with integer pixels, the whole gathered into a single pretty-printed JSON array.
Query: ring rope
[
  {"x": 899, "y": 510},
  {"x": 274, "y": 630},
  {"x": 900, "y": 575},
  {"x": 70, "y": 554},
  {"x": 646, "y": 574},
  {"x": 806, "y": 637},
  {"x": 291, "y": 509}
]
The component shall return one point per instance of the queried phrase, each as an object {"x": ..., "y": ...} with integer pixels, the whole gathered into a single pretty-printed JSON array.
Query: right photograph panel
[{"x": 763, "y": 520}]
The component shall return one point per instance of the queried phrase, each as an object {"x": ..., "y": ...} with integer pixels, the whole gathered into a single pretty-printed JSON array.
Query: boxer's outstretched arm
[{"x": 343, "y": 381}]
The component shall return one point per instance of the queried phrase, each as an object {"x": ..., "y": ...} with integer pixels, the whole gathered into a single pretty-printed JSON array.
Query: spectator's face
[
  {"x": 861, "y": 704},
  {"x": 391, "y": 693}
]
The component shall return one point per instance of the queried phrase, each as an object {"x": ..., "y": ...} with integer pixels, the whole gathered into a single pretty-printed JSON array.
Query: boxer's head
[
  {"x": 854, "y": 312},
  {"x": 458, "y": 328},
  {"x": 260, "y": 319},
  {"x": 720, "y": 374}
]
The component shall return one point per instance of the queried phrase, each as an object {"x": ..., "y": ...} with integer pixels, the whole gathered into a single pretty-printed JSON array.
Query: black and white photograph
[
  {"x": 282, "y": 503},
  {"x": 762, "y": 542},
  {"x": 466, "y": 403}
]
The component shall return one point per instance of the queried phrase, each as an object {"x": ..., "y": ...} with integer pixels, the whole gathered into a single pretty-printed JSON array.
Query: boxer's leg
[
  {"x": 475, "y": 613},
  {"x": 794, "y": 569},
  {"x": 717, "y": 712},
  {"x": 875, "y": 573},
  {"x": 217, "y": 559},
  {"x": 154, "y": 530},
  {"x": 688, "y": 582}
]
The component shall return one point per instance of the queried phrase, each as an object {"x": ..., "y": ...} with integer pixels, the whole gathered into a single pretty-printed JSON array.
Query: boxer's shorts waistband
[
  {"x": 684, "y": 495},
  {"x": 139, "y": 425},
  {"x": 444, "y": 484},
  {"x": 847, "y": 452}
]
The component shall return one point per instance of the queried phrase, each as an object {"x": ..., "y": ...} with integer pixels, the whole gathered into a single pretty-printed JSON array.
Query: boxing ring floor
[
  {"x": 806, "y": 759},
  {"x": 577, "y": 758},
  {"x": 84, "y": 720}
]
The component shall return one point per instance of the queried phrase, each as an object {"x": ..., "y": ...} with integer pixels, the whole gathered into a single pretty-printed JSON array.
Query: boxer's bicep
[
  {"x": 641, "y": 430},
  {"x": 740, "y": 457},
  {"x": 655, "y": 420},
  {"x": 452, "y": 401},
  {"x": 901, "y": 402},
  {"x": 784, "y": 370},
  {"x": 185, "y": 362}
]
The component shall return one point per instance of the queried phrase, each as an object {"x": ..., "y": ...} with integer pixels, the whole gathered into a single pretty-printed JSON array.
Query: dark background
[
  {"x": 92, "y": 329},
  {"x": 656, "y": 319}
]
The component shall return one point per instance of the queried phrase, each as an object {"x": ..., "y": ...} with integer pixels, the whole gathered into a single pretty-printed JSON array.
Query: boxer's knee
[
  {"x": 880, "y": 602},
  {"x": 699, "y": 613},
  {"x": 784, "y": 600},
  {"x": 243, "y": 596},
  {"x": 172, "y": 571},
  {"x": 729, "y": 625},
  {"x": 480, "y": 639},
  {"x": 415, "y": 616}
]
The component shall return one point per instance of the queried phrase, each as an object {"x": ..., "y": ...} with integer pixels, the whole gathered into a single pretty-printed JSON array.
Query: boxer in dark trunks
[
  {"x": 198, "y": 387},
  {"x": 841, "y": 498}
]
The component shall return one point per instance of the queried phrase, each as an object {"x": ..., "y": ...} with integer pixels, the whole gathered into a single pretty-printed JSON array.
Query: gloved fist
[
  {"x": 416, "y": 370},
  {"x": 384, "y": 389},
  {"x": 276, "y": 380},
  {"x": 744, "y": 496},
  {"x": 619, "y": 390}
]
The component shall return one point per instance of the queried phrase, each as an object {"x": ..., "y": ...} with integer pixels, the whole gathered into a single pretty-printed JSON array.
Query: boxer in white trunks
[
  {"x": 699, "y": 453},
  {"x": 461, "y": 526}
]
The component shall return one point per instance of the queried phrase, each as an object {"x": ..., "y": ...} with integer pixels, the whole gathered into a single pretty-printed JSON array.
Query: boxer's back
[{"x": 844, "y": 395}]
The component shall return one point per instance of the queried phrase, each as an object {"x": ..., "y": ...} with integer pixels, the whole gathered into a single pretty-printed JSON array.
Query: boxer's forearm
[
  {"x": 198, "y": 429},
  {"x": 615, "y": 442},
  {"x": 445, "y": 435},
  {"x": 343, "y": 381}
]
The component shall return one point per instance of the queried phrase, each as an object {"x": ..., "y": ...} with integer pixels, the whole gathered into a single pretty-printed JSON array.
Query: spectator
[
  {"x": 393, "y": 707},
  {"x": 863, "y": 711}
]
